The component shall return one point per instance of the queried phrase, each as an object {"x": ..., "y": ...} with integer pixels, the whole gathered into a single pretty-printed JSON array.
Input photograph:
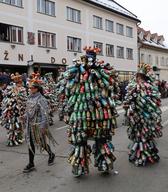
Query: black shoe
[
  {"x": 29, "y": 168},
  {"x": 51, "y": 159},
  {"x": 77, "y": 171}
]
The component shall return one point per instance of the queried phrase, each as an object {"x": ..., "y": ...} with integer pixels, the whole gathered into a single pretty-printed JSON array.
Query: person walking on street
[{"x": 36, "y": 121}]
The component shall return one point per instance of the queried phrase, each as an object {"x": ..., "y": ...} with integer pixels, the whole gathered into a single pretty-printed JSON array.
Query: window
[
  {"x": 142, "y": 58},
  {"x": 46, "y": 39},
  {"x": 73, "y": 15},
  {"x": 109, "y": 26},
  {"x": 156, "y": 60},
  {"x": 17, "y": 3},
  {"x": 6, "y": 1},
  {"x": 120, "y": 52},
  {"x": 46, "y": 7},
  {"x": 17, "y": 34},
  {"x": 129, "y": 31},
  {"x": 120, "y": 29},
  {"x": 149, "y": 59},
  {"x": 74, "y": 44},
  {"x": 109, "y": 50},
  {"x": 129, "y": 53},
  {"x": 162, "y": 61},
  {"x": 12, "y": 34},
  {"x": 97, "y": 22},
  {"x": 98, "y": 45},
  {"x": 167, "y": 62}
]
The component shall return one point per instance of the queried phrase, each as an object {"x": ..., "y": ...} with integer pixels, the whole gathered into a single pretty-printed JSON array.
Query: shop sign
[
  {"x": 20, "y": 58},
  {"x": 6, "y": 56}
]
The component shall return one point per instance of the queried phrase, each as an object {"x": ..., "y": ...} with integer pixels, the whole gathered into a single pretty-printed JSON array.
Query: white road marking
[{"x": 62, "y": 127}]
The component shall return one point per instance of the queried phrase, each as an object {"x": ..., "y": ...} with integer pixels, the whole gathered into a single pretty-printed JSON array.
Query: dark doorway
[
  {"x": 54, "y": 71},
  {"x": 13, "y": 69}
]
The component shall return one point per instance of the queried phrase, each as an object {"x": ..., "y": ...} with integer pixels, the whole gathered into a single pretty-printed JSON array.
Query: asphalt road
[{"x": 58, "y": 178}]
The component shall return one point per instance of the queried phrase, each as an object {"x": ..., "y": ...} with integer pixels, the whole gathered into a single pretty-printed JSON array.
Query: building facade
[
  {"x": 46, "y": 35},
  {"x": 152, "y": 50}
]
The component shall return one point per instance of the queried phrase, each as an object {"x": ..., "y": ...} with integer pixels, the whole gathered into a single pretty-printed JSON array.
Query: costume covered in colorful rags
[
  {"x": 13, "y": 107},
  {"x": 87, "y": 97},
  {"x": 142, "y": 103},
  {"x": 3, "y": 85},
  {"x": 49, "y": 90}
]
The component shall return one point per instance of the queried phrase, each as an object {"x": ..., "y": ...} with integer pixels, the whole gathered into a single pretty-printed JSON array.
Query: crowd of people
[
  {"x": 86, "y": 96},
  {"x": 162, "y": 84},
  {"x": 14, "y": 92},
  {"x": 28, "y": 103},
  {"x": 163, "y": 88}
]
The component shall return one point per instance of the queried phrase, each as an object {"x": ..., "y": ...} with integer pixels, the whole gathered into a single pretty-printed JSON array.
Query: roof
[
  {"x": 114, "y": 7},
  {"x": 153, "y": 44},
  {"x": 140, "y": 30},
  {"x": 146, "y": 33},
  {"x": 154, "y": 35},
  {"x": 150, "y": 42},
  {"x": 161, "y": 37}
]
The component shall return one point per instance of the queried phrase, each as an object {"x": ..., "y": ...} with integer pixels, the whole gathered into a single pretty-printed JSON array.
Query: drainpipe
[
  {"x": 139, "y": 44},
  {"x": 139, "y": 50}
]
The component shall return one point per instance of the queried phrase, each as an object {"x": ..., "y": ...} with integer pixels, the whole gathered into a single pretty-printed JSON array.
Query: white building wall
[
  {"x": 160, "y": 54},
  {"x": 28, "y": 18}
]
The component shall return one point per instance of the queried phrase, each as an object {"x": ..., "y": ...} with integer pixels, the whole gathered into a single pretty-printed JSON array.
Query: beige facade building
[
  {"x": 152, "y": 50},
  {"x": 47, "y": 34}
]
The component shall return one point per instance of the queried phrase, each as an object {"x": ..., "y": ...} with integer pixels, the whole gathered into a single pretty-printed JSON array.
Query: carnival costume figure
[
  {"x": 49, "y": 88},
  {"x": 142, "y": 103},
  {"x": 13, "y": 106},
  {"x": 88, "y": 94},
  {"x": 3, "y": 86}
]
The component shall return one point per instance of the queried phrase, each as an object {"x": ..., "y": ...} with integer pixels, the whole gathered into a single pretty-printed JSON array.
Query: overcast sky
[{"x": 153, "y": 14}]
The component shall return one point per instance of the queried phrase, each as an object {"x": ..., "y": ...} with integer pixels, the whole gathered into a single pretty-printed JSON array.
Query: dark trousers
[{"x": 32, "y": 151}]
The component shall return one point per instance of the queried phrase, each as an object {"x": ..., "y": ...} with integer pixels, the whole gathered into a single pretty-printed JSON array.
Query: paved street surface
[{"x": 58, "y": 178}]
